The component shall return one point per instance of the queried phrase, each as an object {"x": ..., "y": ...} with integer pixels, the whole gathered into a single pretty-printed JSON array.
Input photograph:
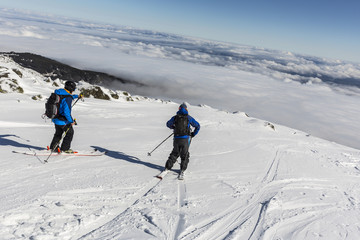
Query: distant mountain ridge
[{"x": 54, "y": 69}]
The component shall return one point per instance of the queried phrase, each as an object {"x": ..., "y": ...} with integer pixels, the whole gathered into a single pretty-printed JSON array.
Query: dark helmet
[
  {"x": 70, "y": 86},
  {"x": 183, "y": 105}
]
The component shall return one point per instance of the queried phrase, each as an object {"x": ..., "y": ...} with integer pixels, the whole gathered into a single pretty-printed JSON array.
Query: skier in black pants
[
  {"x": 64, "y": 121},
  {"x": 181, "y": 123}
]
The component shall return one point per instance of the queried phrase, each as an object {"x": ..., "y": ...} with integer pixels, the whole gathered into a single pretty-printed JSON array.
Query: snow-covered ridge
[{"x": 15, "y": 78}]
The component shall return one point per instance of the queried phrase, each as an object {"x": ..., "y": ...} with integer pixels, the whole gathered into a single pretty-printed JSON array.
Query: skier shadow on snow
[
  {"x": 8, "y": 142},
  {"x": 132, "y": 159}
]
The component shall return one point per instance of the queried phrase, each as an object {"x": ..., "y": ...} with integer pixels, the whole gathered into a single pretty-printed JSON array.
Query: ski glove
[{"x": 192, "y": 134}]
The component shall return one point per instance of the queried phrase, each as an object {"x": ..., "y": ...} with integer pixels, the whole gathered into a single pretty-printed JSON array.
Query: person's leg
[
  {"x": 67, "y": 139},
  {"x": 184, "y": 154},
  {"x": 57, "y": 136},
  {"x": 173, "y": 155}
]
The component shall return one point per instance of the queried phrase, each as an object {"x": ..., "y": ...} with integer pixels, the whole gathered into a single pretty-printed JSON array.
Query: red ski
[{"x": 48, "y": 152}]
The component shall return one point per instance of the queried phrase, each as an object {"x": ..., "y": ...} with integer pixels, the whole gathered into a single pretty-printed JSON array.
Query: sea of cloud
[{"x": 313, "y": 94}]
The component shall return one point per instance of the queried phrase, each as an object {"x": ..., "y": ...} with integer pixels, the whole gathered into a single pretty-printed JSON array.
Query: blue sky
[{"x": 316, "y": 27}]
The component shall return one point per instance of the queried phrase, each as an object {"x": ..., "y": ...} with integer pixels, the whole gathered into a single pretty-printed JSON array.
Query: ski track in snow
[
  {"x": 181, "y": 203},
  {"x": 225, "y": 225},
  {"x": 178, "y": 222},
  {"x": 134, "y": 200}
]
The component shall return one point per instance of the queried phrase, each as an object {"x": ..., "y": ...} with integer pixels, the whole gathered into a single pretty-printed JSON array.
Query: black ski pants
[
  {"x": 59, "y": 130},
  {"x": 181, "y": 148}
]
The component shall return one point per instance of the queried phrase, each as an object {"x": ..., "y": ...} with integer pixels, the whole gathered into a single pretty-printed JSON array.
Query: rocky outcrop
[{"x": 57, "y": 70}]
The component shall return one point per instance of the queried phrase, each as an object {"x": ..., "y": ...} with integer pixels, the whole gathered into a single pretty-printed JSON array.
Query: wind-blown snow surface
[
  {"x": 318, "y": 96},
  {"x": 245, "y": 180}
]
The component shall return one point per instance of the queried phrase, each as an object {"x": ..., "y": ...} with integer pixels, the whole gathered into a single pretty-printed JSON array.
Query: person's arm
[
  {"x": 171, "y": 122},
  {"x": 196, "y": 125},
  {"x": 66, "y": 110}
]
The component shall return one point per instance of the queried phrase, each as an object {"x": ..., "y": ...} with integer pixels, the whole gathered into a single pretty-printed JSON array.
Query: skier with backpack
[
  {"x": 181, "y": 123},
  {"x": 59, "y": 109}
]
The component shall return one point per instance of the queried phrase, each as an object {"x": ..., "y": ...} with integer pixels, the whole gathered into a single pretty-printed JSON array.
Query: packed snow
[{"x": 247, "y": 178}]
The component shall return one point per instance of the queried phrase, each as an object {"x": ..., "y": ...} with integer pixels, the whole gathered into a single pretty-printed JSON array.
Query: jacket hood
[
  {"x": 182, "y": 111},
  {"x": 61, "y": 91}
]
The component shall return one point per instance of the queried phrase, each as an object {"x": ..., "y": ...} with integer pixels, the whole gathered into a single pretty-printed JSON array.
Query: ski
[
  {"x": 47, "y": 153},
  {"x": 162, "y": 174}
]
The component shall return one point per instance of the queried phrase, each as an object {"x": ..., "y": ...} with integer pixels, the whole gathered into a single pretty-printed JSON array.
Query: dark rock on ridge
[{"x": 54, "y": 69}]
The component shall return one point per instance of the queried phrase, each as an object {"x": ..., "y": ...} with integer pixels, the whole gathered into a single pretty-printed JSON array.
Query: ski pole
[
  {"x": 79, "y": 97},
  {"x": 58, "y": 143},
  {"x": 149, "y": 153},
  {"x": 75, "y": 102}
]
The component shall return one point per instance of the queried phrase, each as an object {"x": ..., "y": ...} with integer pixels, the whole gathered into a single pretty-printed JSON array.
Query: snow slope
[{"x": 246, "y": 180}]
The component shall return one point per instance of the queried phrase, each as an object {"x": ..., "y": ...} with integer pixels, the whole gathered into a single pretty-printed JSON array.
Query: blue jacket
[
  {"x": 65, "y": 108},
  {"x": 192, "y": 122}
]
